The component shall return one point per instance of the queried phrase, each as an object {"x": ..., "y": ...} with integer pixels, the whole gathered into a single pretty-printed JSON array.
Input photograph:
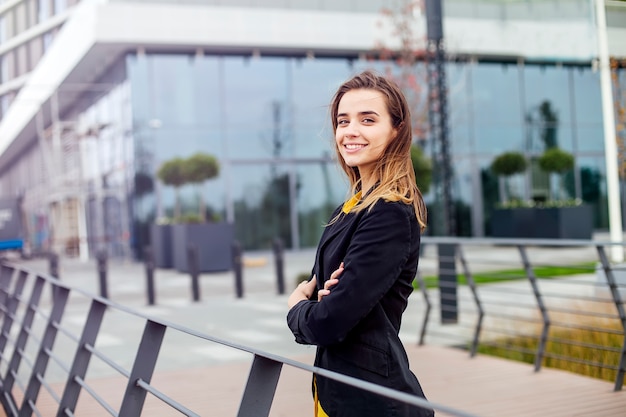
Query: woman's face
[{"x": 363, "y": 128}]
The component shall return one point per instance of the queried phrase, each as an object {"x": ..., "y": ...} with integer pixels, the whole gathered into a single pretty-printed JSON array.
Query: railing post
[
  {"x": 143, "y": 368},
  {"x": 238, "y": 269},
  {"x": 530, "y": 274},
  {"x": 260, "y": 388},
  {"x": 280, "y": 265},
  {"x": 149, "y": 263},
  {"x": 479, "y": 306},
  {"x": 22, "y": 339},
  {"x": 192, "y": 261},
  {"x": 102, "y": 273},
  {"x": 448, "y": 300},
  {"x": 424, "y": 289},
  {"x": 11, "y": 303},
  {"x": 47, "y": 343},
  {"x": 81, "y": 358},
  {"x": 617, "y": 300}
]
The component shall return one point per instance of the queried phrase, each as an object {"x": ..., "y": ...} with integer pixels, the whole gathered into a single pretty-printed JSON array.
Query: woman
[{"x": 367, "y": 257}]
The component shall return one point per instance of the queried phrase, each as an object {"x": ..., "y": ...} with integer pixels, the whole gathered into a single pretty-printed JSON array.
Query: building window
[
  {"x": 43, "y": 10},
  {"x": 59, "y": 6}
]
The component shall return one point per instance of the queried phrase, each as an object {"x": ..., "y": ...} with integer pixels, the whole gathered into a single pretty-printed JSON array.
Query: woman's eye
[
  {"x": 367, "y": 120},
  {"x": 342, "y": 122}
]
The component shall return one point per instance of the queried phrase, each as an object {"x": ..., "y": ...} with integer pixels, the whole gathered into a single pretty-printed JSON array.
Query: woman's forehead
[{"x": 361, "y": 100}]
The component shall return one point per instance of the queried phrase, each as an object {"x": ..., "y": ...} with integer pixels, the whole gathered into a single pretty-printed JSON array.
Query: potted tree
[
  {"x": 555, "y": 161},
  {"x": 170, "y": 173},
  {"x": 559, "y": 217},
  {"x": 199, "y": 168},
  {"x": 505, "y": 166},
  {"x": 508, "y": 220},
  {"x": 212, "y": 240},
  {"x": 555, "y": 218}
]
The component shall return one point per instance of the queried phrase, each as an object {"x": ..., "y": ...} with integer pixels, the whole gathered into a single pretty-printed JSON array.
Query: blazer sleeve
[{"x": 377, "y": 252}]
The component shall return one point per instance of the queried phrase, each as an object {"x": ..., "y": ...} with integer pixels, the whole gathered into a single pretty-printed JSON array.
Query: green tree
[
  {"x": 197, "y": 169},
  {"x": 508, "y": 164},
  {"x": 557, "y": 161},
  {"x": 423, "y": 168},
  {"x": 172, "y": 173}
]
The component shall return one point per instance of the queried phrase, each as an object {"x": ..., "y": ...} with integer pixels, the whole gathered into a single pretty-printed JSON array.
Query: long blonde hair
[{"x": 394, "y": 170}]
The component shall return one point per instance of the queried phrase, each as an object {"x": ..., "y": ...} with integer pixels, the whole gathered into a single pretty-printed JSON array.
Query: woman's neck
[{"x": 367, "y": 182}]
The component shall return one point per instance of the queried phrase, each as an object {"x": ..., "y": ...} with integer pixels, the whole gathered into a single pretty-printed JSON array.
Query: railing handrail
[
  {"x": 490, "y": 241},
  {"x": 265, "y": 363}
]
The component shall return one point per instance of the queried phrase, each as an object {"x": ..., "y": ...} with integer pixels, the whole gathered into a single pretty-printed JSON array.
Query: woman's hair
[{"x": 394, "y": 170}]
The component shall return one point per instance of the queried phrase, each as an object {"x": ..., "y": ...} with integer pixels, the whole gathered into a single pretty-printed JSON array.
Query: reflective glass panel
[
  {"x": 496, "y": 107},
  {"x": 258, "y": 111},
  {"x": 322, "y": 187},
  {"x": 262, "y": 204},
  {"x": 314, "y": 83},
  {"x": 547, "y": 111},
  {"x": 588, "y": 110}
]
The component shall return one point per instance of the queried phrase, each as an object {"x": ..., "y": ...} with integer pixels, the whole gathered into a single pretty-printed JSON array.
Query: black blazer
[{"x": 356, "y": 326}]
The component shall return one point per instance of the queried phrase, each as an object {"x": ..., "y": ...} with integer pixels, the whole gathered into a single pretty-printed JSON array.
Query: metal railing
[
  {"x": 31, "y": 326},
  {"x": 537, "y": 298},
  {"x": 507, "y": 295}
]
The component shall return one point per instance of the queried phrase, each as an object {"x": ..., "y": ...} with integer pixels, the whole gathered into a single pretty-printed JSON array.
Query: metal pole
[
  {"x": 438, "y": 118},
  {"x": 280, "y": 265},
  {"x": 619, "y": 305},
  {"x": 192, "y": 260},
  {"x": 448, "y": 297},
  {"x": 53, "y": 270},
  {"x": 53, "y": 267},
  {"x": 149, "y": 262},
  {"x": 102, "y": 273},
  {"x": 238, "y": 269},
  {"x": 543, "y": 339},
  {"x": 610, "y": 143}
]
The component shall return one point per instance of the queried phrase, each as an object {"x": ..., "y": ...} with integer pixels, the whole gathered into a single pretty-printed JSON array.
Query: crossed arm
[{"x": 306, "y": 288}]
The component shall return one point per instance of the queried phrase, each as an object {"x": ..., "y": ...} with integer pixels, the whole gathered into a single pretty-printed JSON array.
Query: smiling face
[{"x": 363, "y": 131}]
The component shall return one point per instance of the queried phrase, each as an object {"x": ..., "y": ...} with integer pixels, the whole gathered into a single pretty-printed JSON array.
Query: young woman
[{"x": 366, "y": 260}]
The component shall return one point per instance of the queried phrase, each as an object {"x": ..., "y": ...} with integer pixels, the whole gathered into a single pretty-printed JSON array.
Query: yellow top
[
  {"x": 318, "y": 410},
  {"x": 349, "y": 205}
]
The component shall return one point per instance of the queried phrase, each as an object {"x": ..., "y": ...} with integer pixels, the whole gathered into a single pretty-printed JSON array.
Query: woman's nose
[{"x": 351, "y": 129}]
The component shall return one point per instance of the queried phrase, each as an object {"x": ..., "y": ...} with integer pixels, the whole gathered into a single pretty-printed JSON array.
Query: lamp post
[
  {"x": 610, "y": 144},
  {"x": 438, "y": 119}
]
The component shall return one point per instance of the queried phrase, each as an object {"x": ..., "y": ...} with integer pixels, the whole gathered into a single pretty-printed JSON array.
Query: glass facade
[{"x": 266, "y": 120}]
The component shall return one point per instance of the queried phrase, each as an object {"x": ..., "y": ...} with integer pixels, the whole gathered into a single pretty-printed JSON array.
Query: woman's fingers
[
  {"x": 334, "y": 279},
  {"x": 321, "y": 294},
  {"x": 337, "y": 272},
  {"x": 330, "y": 283}
]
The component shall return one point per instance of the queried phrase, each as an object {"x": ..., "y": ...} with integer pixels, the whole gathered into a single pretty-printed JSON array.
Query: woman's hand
[
  {"x": 334, "y": 279},
  {"x": 302, "y": 292}
]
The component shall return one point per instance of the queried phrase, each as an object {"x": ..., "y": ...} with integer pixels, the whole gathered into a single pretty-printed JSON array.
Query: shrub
[
  {"x": 556, "y": 161},
  {"x": 509, "y": 163},
  {"x": 422, "y": 167}
]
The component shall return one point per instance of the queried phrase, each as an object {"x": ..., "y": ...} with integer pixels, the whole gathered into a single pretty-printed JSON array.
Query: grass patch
[
  {"x": 516, "y": 274},
  {"x": 571, "y": 349}
]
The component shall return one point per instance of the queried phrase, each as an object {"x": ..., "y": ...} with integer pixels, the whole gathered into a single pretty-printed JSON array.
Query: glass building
[{"x": 251, "y": 86}]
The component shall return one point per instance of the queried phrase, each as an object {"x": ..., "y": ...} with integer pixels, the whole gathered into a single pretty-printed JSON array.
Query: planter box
[
  {"x": 161, "y": 243},
  {"x": 543, "y": 223},
  {"x": 213, "y": 242}
]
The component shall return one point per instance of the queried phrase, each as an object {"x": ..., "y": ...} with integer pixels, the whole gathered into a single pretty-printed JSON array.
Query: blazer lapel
[{"x": 344, "y": 222}]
